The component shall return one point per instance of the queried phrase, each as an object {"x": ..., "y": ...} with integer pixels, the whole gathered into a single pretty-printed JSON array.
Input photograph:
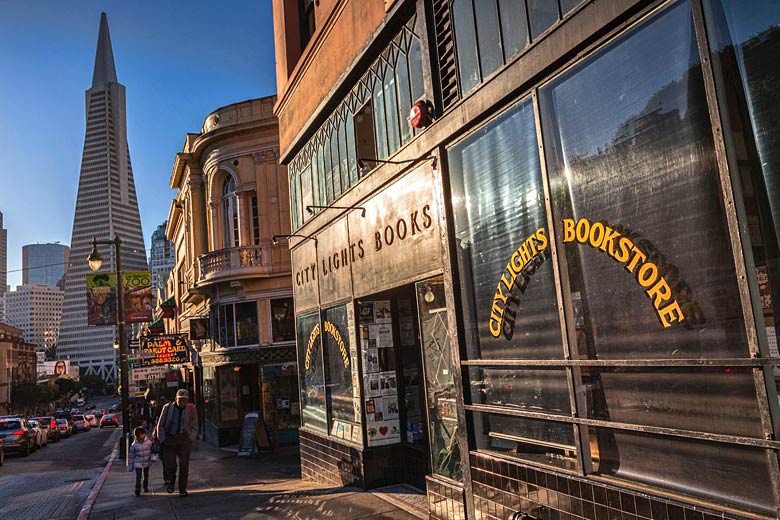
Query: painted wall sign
[{"x": 617, "y": 243}]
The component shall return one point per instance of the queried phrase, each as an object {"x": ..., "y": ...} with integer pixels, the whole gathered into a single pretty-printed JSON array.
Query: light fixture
[
  {"x": 275, "y": 238},
  {"x": 364, "y": 169},
  {"x": 94, "y": 259},
  {"x": 311, "y": 207},
  {"x": 429, "y": 296},
  {"x": 236, "y": 368}
]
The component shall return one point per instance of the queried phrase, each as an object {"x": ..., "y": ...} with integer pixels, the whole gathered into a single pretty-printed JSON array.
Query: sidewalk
[{"x": 223, "y": 485}]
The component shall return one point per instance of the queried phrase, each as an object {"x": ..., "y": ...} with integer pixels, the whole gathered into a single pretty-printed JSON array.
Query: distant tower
[
  {"x": 3, "y": 265},
  {"x": 36, "y": 310},
  {"x": 106, "y": 206},
  {"x": 161, "y": 261},
  {"x": 44, "y": 263}
]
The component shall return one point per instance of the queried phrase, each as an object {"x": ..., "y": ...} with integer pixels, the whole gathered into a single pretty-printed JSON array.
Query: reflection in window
[
  {"x": 282, "y": 320},
  {"x": 230, "y": 213},
  {"x": 633, "y": 153},
  {"x": 745, "y": 38},
  {"x": 236, "y": 324},
  {"x": 489, "y": 33},
  {"x": 312, "y": 378},
  {"x": 535, "y": 390},
  {"x": 338, "y": 373},
  {"x": 439, "y": 378}
]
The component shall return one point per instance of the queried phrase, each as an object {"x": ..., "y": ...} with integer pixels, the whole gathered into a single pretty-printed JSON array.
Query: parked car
[
  {"x": 41, "y": 439},
  {"x": 93, "y": 422},
  {"x": 114, "y": 407},
  {"x": 17, "y": 435},
  {"x": 75, "y": 411},
  {"x": 64, "y": 426},
  {"x": 50, "y": 424},
  {"x": 110, "y": 419},
  {"x": 81, "y": 423},
  {"x": 99, "y": 414}
]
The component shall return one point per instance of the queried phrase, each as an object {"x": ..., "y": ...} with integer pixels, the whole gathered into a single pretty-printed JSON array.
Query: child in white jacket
[{"x": 140, "y": 458}]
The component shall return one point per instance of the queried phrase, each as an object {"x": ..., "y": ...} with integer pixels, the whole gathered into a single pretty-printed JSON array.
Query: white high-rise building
[
  {"x": 37, "y": 311},
  {"x": 106, "y": 206},
  {"x": 3, "y": 264},
  {"x": 162, "y": 258}
]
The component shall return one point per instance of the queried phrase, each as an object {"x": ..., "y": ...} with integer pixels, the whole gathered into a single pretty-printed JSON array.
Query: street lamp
[{"x": 95, "y": 263}]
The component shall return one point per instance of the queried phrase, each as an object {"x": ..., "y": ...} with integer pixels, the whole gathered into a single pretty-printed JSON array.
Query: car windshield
[
  {"x": 78, "y": 417},
  {"x": 10, "y": 425},
  {"x": 62, "y": 421}
]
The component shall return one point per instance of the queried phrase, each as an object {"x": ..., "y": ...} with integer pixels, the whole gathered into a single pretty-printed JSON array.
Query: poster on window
[
  {"x": 372, "y": 385},
  {"x": 366, "y": 313},
  {"x": 138, "y": 297},
  {"x": 388, "y": 385},
  {"x": 384, "y": 335},
  {"x": 381, "y": 433},
  {"x": 382, "y": 312},
  {"x": 101, "y": 300},
  {"x": 199, "y": 328}
]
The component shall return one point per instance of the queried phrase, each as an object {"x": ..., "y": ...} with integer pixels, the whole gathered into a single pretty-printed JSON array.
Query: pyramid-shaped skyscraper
[{"x": 106, "y": 206}]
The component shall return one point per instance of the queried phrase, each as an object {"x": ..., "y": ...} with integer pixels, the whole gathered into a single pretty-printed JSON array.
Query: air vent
[{"x": 445, "y": 50}]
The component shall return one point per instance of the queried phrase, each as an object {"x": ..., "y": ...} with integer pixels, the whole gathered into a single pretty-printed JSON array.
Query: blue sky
[{"x": 178, "y": 60}]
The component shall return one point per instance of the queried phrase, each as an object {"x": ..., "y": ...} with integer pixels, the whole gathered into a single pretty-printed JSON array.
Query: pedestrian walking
[
  {"x": 176, "y": 430},
  {"x": 140, "y": 459}
]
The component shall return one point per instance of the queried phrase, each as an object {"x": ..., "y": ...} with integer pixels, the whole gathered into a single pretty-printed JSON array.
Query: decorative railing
[{"x": 243, "y": 262}]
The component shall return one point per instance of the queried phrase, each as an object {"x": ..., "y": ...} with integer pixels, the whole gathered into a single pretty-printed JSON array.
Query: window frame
[{"x": 745, "y": 278}]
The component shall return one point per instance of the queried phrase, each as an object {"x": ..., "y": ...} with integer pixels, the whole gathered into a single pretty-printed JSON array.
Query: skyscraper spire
[
  {"x": 106, "y": 206},
  {"x": 105, "y": 71}
]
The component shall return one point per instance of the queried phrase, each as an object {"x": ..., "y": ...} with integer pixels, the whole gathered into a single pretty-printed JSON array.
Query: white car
[
  {"x": 41, "y": 437},
  {"x": 93, "y": 422}
]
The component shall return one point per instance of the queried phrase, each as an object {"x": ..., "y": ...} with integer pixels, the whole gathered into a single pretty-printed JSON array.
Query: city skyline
[{"x": 176, "y": 74}]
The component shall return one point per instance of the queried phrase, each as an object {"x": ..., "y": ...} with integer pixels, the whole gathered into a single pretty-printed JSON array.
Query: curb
[{"x": 86, "y": 509}]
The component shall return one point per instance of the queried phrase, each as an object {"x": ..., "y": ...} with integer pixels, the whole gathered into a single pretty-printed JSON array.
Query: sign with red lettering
[{"x": 163, "y": 349}]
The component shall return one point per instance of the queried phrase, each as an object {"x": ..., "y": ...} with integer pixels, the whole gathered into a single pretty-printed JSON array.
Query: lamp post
[{"x": 95, "y": 262}]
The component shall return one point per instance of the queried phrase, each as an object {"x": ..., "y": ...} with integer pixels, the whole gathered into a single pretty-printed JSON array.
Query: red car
[{"x": 110, "y": 419}]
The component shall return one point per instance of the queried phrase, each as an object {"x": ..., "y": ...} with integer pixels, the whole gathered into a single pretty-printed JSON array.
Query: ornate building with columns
[{"x": 232, "y": 199}]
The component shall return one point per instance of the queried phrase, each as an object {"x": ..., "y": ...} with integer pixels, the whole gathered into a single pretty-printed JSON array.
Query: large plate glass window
[
  {"x": 339, "y": 366},
  {"x": 745, "y": 43},
  {"x": 508, "y": 291},
  {"x": 312, "y": 378},
  {"x": 282, "y": 320},
  {"x": 635, "y": 189}
]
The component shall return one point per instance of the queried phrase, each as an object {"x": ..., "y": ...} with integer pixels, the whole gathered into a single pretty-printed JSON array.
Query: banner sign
[
  {"x": 57, "y": 368},
  {"x": 144, "y": 373},
  {"x": 199, "y": 328},
  {"x": 163, "y": 349},
  {"x": 138, "y": 297},
  {"x": 101, "y": 299}
]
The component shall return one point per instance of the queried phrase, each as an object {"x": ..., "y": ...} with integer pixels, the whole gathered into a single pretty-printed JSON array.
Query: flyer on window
[
  {"x": 384, "y": 335},
  {"x": 382, "y": 312}
]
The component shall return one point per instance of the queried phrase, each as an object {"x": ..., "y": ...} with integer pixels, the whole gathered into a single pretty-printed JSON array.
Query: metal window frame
[{"x": 759, "y": 360}]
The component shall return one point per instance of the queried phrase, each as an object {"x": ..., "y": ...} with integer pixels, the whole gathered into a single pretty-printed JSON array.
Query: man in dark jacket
[{"x": 176, "y": 430}]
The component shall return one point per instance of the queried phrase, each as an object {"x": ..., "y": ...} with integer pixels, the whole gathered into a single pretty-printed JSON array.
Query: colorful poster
[
  {"x": 163, "y": 349},
  {"x": 383, "y": 432},
  {"x": 138, "y": 297},
  {"x": 101, "y": 300}
]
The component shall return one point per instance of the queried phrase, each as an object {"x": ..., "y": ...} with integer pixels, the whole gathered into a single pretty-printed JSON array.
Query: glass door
[{"x": 439, "y": 380}]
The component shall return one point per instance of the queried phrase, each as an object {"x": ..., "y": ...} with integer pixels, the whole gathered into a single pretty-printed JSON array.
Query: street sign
[{"x": 163, "y": 349}]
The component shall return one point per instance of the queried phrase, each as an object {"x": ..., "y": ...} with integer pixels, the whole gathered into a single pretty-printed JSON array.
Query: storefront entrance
[{"x": 406, "y": 350}]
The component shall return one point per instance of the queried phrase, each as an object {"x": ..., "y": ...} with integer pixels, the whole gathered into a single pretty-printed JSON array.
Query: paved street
[{"x": 54, "y": 481}]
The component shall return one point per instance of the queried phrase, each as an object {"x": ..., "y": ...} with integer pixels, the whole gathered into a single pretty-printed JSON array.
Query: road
[{"x": 54, "y": 481}]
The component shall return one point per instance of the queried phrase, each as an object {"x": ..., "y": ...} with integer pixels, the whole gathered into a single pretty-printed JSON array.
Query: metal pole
[{"x": 120, "y": 284}]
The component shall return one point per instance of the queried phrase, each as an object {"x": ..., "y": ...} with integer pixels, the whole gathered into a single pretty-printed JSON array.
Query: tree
[
  {"x": 93, "y": 382},
  {"x": 67, "y": 386},
  {"x": 31, "y": 395}
]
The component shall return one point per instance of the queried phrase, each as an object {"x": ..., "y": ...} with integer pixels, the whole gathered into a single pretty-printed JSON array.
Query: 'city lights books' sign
[
  {"x": 163, "y": 349},
  {"x": 524, "y": 262},
  {"x": 337, "y": 337}
]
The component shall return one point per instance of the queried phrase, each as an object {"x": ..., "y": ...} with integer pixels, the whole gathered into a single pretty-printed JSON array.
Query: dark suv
[{"x": 17, "y": 435}]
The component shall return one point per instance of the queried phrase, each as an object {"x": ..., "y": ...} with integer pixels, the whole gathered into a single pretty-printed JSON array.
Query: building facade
[
  {"x": 162, "y": 258},
  {"x": 17, "y": 364},
  {"x": 230, "y": 277},
  {"x": 534, "y": 252},
  {"x": 36, "y": 310},
  {"x": 106, "y": 207},
  {"x": 44, "y": 264}
]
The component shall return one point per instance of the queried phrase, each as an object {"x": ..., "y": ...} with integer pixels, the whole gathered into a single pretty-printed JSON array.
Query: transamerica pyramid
[{"x": 106, "y": 206}]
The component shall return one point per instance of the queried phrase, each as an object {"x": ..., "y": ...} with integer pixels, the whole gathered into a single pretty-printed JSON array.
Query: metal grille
[{"x": 445, "y": 53}]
